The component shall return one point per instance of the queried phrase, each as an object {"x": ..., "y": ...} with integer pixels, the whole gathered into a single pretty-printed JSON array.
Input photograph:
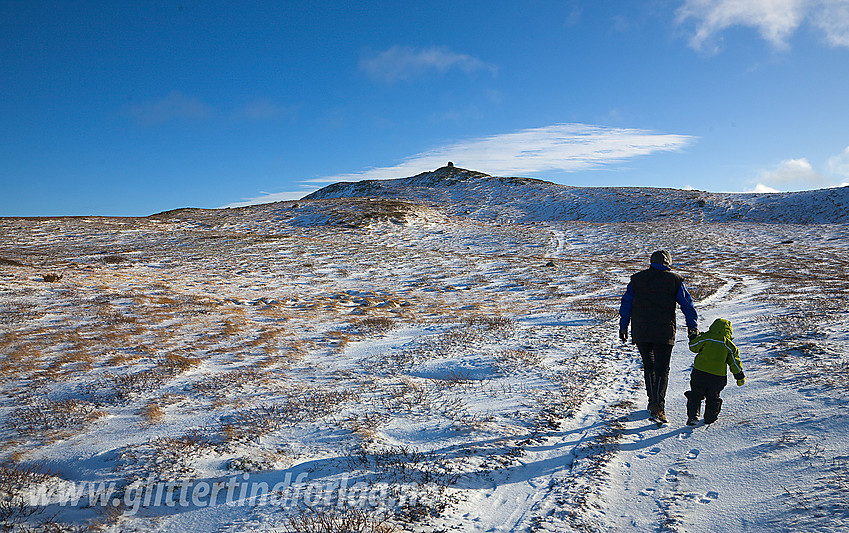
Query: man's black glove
[
  {"x": 692, "y": 333},
  {"x": 623, "y": 335}
]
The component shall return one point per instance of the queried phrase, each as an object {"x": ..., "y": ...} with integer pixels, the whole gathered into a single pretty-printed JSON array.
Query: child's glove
[
  {"x": 623, "y": 335},
  {"x": 692, "y": 333},
  {"x": 741, "y": 379}
]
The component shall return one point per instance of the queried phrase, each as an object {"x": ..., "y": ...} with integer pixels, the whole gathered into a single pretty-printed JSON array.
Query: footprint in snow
[
  {"x": 709, "y": 497},
  {"x": 692, "y": 454},
  {"x": 671, "y": 475},
  {"x": 653, "y": 451}
]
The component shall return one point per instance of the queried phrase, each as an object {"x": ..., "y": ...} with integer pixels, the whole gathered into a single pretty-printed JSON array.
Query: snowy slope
[
  {"x": 480, "y": 196},
  {"x": 412, "y": 356}
]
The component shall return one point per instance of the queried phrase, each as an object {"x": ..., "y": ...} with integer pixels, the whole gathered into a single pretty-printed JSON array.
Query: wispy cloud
[
  {"x": 402, "y": 62},
  {"x": 560, "y": 147},
  {"x": 263, "y": 110},
  {"x": 265, "y": 198},
  {"x": 833, "y": 20},
  {"x": 838, "y": 165},
  {"x": 175, "y": 106},
  {"x": 775, "y": 20}
]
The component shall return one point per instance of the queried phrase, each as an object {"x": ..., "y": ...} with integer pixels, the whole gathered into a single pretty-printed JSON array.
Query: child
[{"x": 714, "y": 351}]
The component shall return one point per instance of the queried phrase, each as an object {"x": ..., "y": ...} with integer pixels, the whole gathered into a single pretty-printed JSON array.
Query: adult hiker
[{"x": 649, "y": 305}]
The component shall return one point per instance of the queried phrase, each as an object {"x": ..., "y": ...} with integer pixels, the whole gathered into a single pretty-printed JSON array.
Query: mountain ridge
[{"x": 477, "y": 195}]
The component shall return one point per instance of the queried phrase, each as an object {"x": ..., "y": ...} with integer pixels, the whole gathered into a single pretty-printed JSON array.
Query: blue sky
[{"x": 130, "y": 108}]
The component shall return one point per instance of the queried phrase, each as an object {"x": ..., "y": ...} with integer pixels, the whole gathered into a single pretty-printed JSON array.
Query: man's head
[{"x": 662, "y": 257}]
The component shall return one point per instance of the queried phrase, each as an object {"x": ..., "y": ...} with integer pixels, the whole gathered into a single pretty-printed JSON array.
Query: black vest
[{"x": 653, "y": 310}]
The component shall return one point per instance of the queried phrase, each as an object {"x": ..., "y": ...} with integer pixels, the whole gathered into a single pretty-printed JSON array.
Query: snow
[
  {"x": 414, "y": 354},
  {"x": 483, "y": 197}
]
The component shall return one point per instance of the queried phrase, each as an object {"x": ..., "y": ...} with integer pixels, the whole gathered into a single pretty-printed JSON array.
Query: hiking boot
[
  {"x": 660, "y": 417},
  {"x": 693, "y": 421},
  {"x": 712, "y": 410}
]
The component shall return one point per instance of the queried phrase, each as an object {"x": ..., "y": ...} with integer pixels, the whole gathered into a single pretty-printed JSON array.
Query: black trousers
[
  {"x": 656, "y": 358},
  {"x": 705, "y": 386}
]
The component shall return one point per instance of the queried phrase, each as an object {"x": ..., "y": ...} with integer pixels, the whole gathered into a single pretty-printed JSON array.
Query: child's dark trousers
[{"x": 705, "y": 386}]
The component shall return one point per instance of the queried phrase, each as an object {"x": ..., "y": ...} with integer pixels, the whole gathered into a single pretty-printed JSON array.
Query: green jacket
[{"x": 715, "y": 350}]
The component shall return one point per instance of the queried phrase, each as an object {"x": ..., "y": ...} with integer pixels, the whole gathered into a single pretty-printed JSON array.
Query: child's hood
[{"x": 721, "y": 328}]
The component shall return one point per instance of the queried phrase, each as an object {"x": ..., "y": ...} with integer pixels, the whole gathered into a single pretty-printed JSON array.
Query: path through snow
[
  {"x": 471, "y": 367},
  {"x": 750, "y": 471}
]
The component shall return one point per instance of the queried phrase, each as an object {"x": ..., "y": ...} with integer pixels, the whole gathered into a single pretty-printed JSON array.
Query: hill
[
  {"x": 397, "y": 356},
  {"x": 477, "y": 195}
]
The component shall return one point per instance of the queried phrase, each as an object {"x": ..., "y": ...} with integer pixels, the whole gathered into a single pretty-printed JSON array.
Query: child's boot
[
  {"x": 712, "y": 408},
  {"x": 694, "y": 405}
]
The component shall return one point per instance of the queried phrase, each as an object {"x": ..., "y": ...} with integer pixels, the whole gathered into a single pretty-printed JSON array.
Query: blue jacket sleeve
[
  {"x": 625, "y": 307},
  {"x": 686, "y": 302}
]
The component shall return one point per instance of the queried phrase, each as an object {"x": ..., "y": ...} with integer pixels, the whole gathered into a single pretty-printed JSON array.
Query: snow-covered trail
[
  {"x": 448, "y": 363},
  {"x": 735, "y": 475},
  {"x": 729, "y": 476},
  {"x": 548, "y": 480},
  {"x": 685, "y": 478},
  {"x": 672, "y": 478}
]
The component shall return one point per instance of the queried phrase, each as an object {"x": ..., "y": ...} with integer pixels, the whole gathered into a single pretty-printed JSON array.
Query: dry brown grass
[
  {"x": 365, "y": 425},
  {"x": 175, "y": 363},
  {"x": 70, "y": 365},
  {"x": 267, "y": 339},
  {"x": 232, "y": 327},
  {"x": 121, "y": 358},
  {"x": 601, "y": 307},
  {"x": 152, "y": 413},
  {"x": 374, "y": 325},
  {"x": 517, "y": 359},
  {"x": 20, "y": 359}
]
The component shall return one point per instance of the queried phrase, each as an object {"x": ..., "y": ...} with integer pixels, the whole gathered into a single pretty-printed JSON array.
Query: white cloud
[
  {"x": 266, "y": 198},
  {"x": 775, "y": 20},
  {"x": 794, "y": 174},
  {"x": 560, "y": 147},
  {"x": 175, "y": 106},
  {"x": 833, "y": 19},
  {"x": 799, "y": 174},
  {"x": 401, "y": 63},
  {"x": 262, "y": 110},
  {"x": 838, "y": 165}
]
